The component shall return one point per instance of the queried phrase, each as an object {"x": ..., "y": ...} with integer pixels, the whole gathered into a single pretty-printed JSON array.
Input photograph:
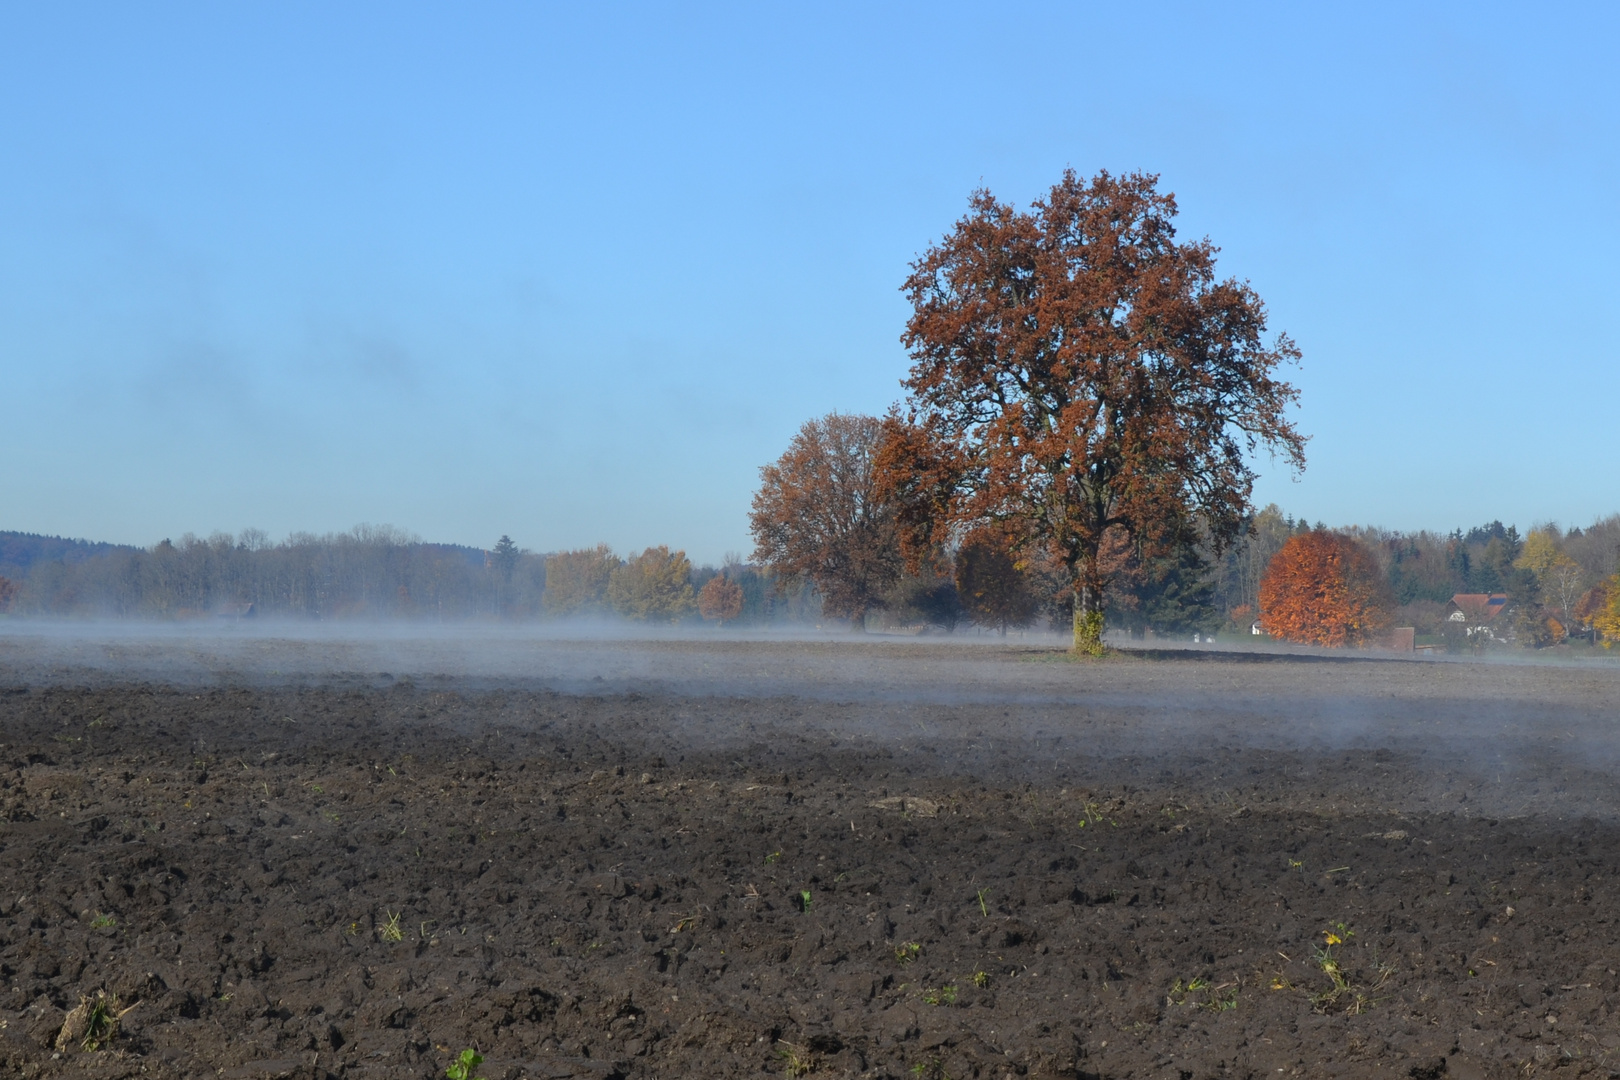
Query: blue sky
[{"x": 574, "y": 273}]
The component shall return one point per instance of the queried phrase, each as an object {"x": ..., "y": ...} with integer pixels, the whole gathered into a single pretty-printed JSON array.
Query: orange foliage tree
[
  {"x": 1324, "y": 589},
  {"x": 1081, "y": 378},
  {"x": 819, "y": 515},
  {"x": 720, "y": 600},
  {"x": 8, "y": 591}
]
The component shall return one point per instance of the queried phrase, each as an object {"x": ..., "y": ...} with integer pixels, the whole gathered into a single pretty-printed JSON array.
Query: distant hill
[{"x": 20, "y": 551}]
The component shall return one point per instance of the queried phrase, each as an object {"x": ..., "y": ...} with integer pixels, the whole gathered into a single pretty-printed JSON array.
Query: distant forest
[{"x": 382, "y": 572}]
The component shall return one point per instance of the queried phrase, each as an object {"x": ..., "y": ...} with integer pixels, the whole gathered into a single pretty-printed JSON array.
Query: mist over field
[{"x": 1481, "y": 716}]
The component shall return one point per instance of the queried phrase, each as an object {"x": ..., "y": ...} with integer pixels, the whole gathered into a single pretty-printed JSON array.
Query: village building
[{"x": 1479, "y": 613}]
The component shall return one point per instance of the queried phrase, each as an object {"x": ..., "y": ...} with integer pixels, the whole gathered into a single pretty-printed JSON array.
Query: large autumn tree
[
  {"x": 1324, "y": 589},
  {"x": 819, "y": 516},
  {"x": 1080, "y": 377}
]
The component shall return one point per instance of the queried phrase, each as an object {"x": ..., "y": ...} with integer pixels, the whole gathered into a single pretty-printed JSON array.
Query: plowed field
[{"x": 909, "y": 862}]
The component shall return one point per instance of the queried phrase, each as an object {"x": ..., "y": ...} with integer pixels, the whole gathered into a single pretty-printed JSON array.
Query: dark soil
[{"x": 360, "y": 880}]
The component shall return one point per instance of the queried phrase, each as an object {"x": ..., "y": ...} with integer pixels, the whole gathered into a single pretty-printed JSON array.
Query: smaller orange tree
[
  {"x": 8, "y": 591},
  {"x": 993, "y": 587},
  {"x": 720, "y": 600},
  {"x": 1324, "y": 589}
]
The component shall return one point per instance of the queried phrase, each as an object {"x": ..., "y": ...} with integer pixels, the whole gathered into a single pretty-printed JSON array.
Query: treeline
[
  {"x": 662, "y": 586},
  {"x": 1554, "y": 581},
  {"x": 368, "y": 571},
  {"x": 380, "y": 572}
]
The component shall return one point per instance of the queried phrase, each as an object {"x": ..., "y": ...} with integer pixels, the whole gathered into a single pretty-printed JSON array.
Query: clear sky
[{"x": 573, "y": 273}]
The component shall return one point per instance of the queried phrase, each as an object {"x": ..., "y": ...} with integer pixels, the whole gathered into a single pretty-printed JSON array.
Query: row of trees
[
  {"x": 368, "y": 571},
  {"x": 1301, "y": 581},
  {"x": 658, "y": 585},
  {"x": 382, "y": 572}
]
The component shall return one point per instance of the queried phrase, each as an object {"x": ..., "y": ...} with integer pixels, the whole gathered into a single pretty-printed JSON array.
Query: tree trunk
[{"x": 1088, "y": 621}]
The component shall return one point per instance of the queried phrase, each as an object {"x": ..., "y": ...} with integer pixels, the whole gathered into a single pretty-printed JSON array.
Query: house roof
[{"x": 1481, "y": 606}]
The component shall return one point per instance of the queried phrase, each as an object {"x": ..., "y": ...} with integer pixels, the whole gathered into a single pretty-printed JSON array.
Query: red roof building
[{"x": 1475, "y": 609}]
